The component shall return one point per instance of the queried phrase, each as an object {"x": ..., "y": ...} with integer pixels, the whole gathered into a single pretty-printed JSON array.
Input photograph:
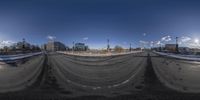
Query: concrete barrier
[
  {"x": 18, "y": 78},
  {"x": 178, "y": 74},
  {"x": 87, "y": 57}
]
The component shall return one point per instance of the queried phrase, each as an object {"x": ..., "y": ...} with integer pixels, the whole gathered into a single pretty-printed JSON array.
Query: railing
[{"x": 18, "y": 56}]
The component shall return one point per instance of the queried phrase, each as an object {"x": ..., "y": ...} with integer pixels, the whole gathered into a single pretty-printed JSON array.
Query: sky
[{"x": 139, "y": 22}]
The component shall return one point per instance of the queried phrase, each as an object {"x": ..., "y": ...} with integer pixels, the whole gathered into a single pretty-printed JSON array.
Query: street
[
  {"x": 100, "y": 76},
  {"x": 133, "y": 76},
  {"x": 181, "y": 75}
]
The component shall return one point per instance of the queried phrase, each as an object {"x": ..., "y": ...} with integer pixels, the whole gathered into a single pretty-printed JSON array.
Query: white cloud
[
  {"x": 166, "y": 38},
  {"x": 193, "y": 45},
  {"x": 85, "y": 38},
  {"x": 158, "y": 43},
  {"x": 144, "y": 42},
  {"x": 51, "y": 37},
  {"x": 6, "y": 43},
  {"x": 185, "y": 39},
  {"x": 189, "y": 42},
  {"x": 151, "y": 43}
]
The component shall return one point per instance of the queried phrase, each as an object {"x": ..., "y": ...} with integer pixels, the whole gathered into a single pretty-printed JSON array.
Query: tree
[
  {"x": 118, "y": 48},
  {"x": 5, "y": 49}
]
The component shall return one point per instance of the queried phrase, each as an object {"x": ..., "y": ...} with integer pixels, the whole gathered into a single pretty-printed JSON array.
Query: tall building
[
  {"x": 44, "y": 47},
  {"x": 55, "y": 46}
]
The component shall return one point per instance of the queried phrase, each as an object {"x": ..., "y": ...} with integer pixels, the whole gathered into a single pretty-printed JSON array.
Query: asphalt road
[
  {"x": 125, "y": 77},
  {"x": 99, "y": 76},
  {"x": 18, "y": 75},
  {"x": 180, "y": 75}
]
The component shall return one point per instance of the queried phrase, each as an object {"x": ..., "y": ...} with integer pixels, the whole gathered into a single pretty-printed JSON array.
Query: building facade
[
  {"x": 170, "y": 47},
  {"x": 55, "y": 46},
  {"x": 80, "y": 47}
]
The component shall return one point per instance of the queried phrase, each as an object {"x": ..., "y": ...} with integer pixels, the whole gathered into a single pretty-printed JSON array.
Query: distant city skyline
[{"x": 94, "y": 21}]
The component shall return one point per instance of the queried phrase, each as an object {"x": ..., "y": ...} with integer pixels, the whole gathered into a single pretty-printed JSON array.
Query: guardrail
[{"x": 18, "y": 56}]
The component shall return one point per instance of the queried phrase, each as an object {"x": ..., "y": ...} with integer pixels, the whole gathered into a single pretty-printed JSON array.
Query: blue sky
[{"x": 121, "y": 21}]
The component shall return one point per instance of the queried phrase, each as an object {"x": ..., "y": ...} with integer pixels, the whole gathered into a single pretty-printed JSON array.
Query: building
[
  {"x": 44, "y": 47},
  {"x": 55, "y": 46},
  {"x": 170, "y": 47},
  {"x": 184, "y": 50},
  {"x": 195, "y": 51},
  {"x": 80, "y": 47},
  {"x": 22, "y": 45}
]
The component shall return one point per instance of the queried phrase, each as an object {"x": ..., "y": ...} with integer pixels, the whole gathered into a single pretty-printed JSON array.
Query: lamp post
[
  {"x": 23, "y": 45},
  {"x": 108, "y": 45},
  {"x": 177, "y": 51},
  {"x": 73, "y": 47},
  {"x": 160, "y": 48}
]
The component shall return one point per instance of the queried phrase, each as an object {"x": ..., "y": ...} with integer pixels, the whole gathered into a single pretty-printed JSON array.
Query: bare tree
[{"x": 118, "y": 49}]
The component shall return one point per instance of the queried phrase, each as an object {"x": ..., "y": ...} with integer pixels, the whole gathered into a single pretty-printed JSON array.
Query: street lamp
[
  {"x": 108, "y": 45},
  {"x": 23, "y": 45},
  {"x": 73, "y": 48},
  {"x": 177, "y": 45}
]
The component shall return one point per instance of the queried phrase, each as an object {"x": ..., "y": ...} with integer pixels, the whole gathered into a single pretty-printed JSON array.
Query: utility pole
[
  {"x": 160, "y": 48},
  {"x": 108, "y": 45},
  {"x": 177, "y": 51},
  {"x": 130, "y": 48},
  {"x": 23, "y": 45},
  {"x": 73, "y": 47}
]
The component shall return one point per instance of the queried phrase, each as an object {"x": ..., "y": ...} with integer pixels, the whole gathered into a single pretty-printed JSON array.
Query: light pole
[
  {"x": 108, "y": 45},
  {"x": 23, "y": 45},
  {"x": 160, "y": 48},
  {"x": 177, "y": 51},
  {"x": 73, "y": 47}
]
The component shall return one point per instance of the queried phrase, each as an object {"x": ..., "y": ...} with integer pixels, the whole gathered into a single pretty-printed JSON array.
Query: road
[
  {"x": 100, "y": 74},
  {"x": 18, "y": 75},
  {"x": 132, "y": 76},
  {"x": 181, "y": 75}
]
